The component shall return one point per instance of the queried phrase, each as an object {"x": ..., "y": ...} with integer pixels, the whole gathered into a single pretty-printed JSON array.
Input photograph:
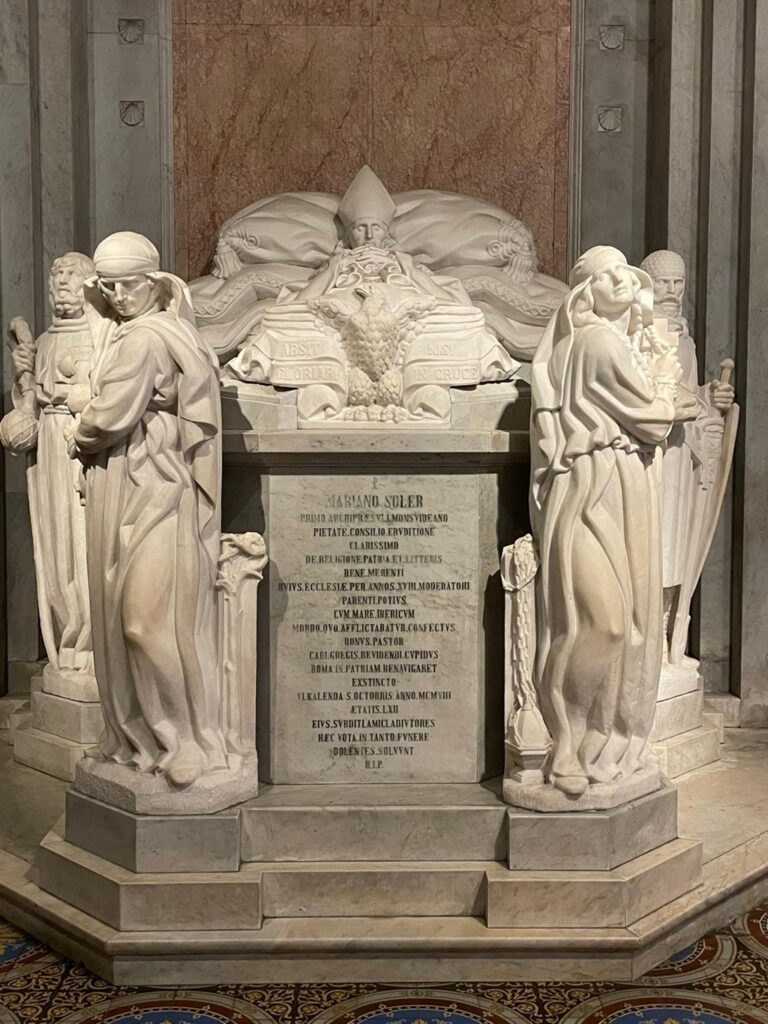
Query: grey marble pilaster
[
  {"x": 614, "y": 124},
  {"x": 717, "y": 301},
  {"x": 17, "y": 298},
  {"x": 750, "y": 612},
  {"x": 130, "y": 116}
]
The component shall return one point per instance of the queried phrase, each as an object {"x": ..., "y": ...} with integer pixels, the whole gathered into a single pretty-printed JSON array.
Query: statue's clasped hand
[
  {"x": 721, "y": 395},
  {"x": 23, "y": 359}
]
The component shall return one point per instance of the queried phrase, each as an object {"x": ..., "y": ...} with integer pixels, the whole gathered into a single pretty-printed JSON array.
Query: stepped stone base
[
  {"x": 726, "y": 704},
  {"x": 129, "y": 901},
  {"x": 48, "y": 753},
  {"x": 139, "y": 901},
  {"x": 690, "y": 750}
]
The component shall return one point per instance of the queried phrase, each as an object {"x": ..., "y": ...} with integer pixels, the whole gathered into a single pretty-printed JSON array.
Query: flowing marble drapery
[
  {"x": 151, "y": 438},
  {"x": 599, "y": 415}
]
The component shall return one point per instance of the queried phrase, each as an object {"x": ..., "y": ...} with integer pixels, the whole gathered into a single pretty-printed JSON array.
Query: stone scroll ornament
[
  {"x": 149, "y": 441},
  {"x": 241, "y": 568},
  {"x": 50, "y": 390},
  {"x": 605, "y": 395},
  {"x": 527, "y": 741},
  {"x": 696, "y": 464}
]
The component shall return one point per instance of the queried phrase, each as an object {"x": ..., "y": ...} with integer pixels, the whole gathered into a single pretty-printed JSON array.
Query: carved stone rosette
[
  {"x": 527, "y": 740},
  {"x": 242, "y": 561}
]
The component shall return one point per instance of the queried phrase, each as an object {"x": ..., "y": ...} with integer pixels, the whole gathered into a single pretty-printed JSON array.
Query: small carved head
[
  {"x": 366, "y": 211},
  {"x": 65, "y": 284},
  {"x": 367, "y": 231},
  {"x": 667, "y": 271},
  {"x": 127, "y": 264},
  {"x": 611, "y": 286}
]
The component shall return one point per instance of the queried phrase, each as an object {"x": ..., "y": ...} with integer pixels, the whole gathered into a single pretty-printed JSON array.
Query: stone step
[
  {"x": 147, "y": 902},
  {"x": 677, "y": 715},
  {"x": 393, "y": 889},
  {"x": 48, "y": 753},
  {"x": 452, "y": 822},
  {"x": 691, "y": 750},
  {"x": 727, "y": 704},
  {"x": 594, "y": 899},
  {"x": 717, "y": 718},
  {"x": 14, "y": 712}
]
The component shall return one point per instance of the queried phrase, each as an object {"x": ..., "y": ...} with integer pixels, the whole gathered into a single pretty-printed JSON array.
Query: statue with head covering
[
  {"x": 149, "y": 439},
  {"x": 695, "y": 465},
  {"x": 604, "y": 398},
  {"x": 372, "y": 317},
  {"x": 50, "y": 387}
]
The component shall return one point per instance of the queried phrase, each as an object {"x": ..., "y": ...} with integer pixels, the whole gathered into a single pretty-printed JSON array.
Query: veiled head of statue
[
  {"x": 366, "y": 210},
  {"x": 667, "y": 271},
  {"x": 65, "y": 284},
  {"x": 127, "y": 264},
  {"x": 608, "y": 286}
]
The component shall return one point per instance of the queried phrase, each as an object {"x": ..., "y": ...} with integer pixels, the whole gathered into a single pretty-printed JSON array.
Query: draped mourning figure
[
  {"x": 696, "y": 462},
  {"x": 604, "y": 399},
  {"x": 50, "y": 387},
  {"x": 149, "y": 440}
]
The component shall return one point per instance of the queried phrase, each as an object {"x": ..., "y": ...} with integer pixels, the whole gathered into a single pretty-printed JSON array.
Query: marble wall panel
[{"x": 275, "y": 95}]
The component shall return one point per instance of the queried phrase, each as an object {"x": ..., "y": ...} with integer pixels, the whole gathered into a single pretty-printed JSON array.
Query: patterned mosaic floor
[{"x": 721, "y": 979}]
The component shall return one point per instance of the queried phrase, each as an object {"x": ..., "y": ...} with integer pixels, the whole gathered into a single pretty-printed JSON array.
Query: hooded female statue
[
  {"x": 150, "y": 441},
  {"x": 604, "y": 394}
]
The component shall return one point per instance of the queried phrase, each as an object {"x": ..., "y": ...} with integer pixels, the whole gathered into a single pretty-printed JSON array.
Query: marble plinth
[
  {"x": 75, "y": 720},
  {"x": 70, "y": 684},
  {"x": 591, "y": 840},
  {"x": 678, "y": 714},
  {"x": 154, "y": 843},
  {"x": 678, "y": 679},
  {"x": 540, "y": 796},
  {"x": 138, "y": 793},
  {"x": 381, "y": 601}
]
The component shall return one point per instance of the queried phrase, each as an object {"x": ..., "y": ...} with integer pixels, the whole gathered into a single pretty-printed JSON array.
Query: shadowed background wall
[{"x": 278, "y": 95}]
